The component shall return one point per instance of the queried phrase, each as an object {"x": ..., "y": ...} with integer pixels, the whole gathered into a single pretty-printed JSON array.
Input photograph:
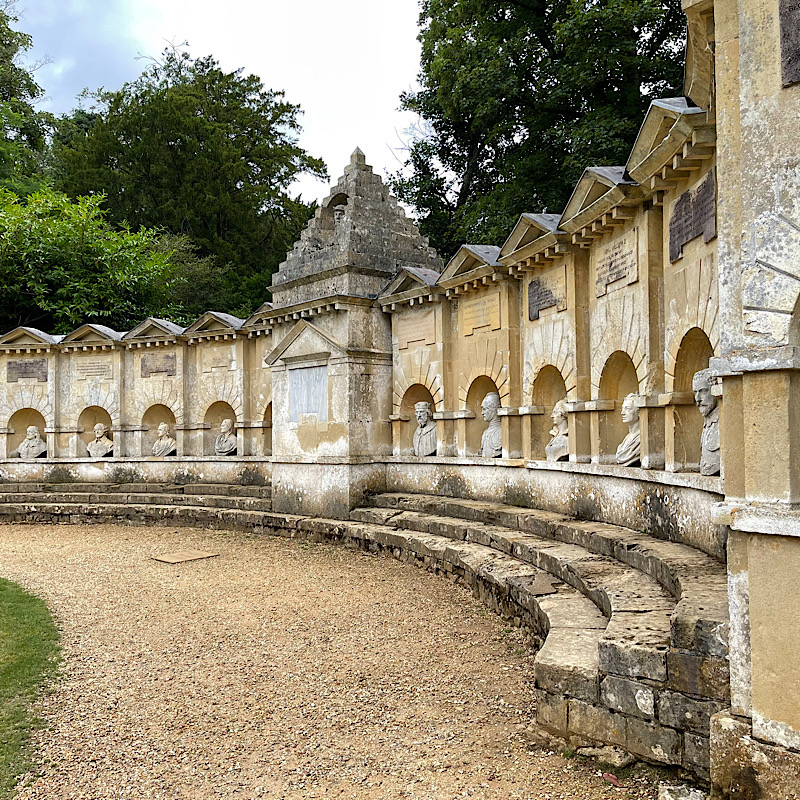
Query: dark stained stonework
[
  {"x": 540, "y": 296},
  {"x": 694, "y": 214},
  {"x": 160, "y": 363},
  {"x": 790, "y": 41},
  {"x": 26, "y": 368}
]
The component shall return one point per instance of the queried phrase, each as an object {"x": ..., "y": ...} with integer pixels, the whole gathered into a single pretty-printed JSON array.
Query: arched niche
[
  {"x": 617, "y": 381},
  {"x": 86, "y": 421},
  {"x": 694, "y": 355},
  {"x": 474, "y": 428},
  {"x": 413, "y": 395},
  {"x": 18, "y": 425},
  {"x": 547, "y": 390},
  {"x": 215, "y": 413},
  {"x": 152, "y": 418},
  {"x": 267, "y": 429}
]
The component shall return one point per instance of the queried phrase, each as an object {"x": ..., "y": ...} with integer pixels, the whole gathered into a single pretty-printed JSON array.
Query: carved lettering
[
  {"x": 415, "y": 328},
  {"x": 480, "y": 312},
  {"x": 95, "y": 368},
  {"x": 790, "y": 41},
  {"x": 158, "y": 363},
  {"x": 26, "y": 368},
  {"x": 695, "y": 213},
  {"x": 617, "y": 261},
  {"x": 546, "y": 291}
]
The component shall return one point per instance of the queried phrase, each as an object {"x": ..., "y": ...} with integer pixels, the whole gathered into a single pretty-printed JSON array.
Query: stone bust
[
  {"x": 629, "y": 453},
  {"x": 557, "y": 448},
  {"x": 425, "y": 434},
  {"x": 102, "y": 446},
  {"x": 706, "y": 401},
  {"x": 225, "y": 443},
  {"x": 492, "y": 439},
  {"x": 164, "y": 445},
  {"x": 33, "y": 446}
]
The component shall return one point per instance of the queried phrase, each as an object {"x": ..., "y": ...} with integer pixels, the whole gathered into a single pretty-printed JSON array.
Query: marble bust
[
  {"x": 492, "y": 439},
  {"x": 225, "y": 443},
  {"x": 102, "y": 446},
  {"x": 557, "y": 448},
  {"x": 164, "y": 445},
  {"x": 33, "y": 446},
  {"x": 629, "y": 453},
  {"x": 707, "y": 403},
  {"x": 425, "y": 434}
]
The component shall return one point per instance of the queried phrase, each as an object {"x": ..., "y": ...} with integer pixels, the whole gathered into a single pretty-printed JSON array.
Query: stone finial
[{"x": 357, "y": 158}]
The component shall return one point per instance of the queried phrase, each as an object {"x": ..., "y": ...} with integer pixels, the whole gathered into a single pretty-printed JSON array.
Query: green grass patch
[{"x": 28, "y": 656}]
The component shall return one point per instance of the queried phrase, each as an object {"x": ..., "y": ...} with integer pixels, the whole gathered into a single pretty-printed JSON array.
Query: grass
[{"x": 28, "y": 656}]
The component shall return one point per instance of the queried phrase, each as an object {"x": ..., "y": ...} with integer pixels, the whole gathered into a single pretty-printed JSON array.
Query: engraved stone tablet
[
  {"x": 100, "y": 367},
  {"x": 158, "y": 363},
  {"x": 790, "y": 41},
  {"x": 218, "y": 358},
  {"x": 618, "y": 261},
  {"x": 17, "y": 368},
  {"x": 479, "y": 312},
  {"x": 416, "y": 328},
  {"x": 546, "y": 291},
  {"x": 308, "y": 393},
  {"x": 695, "y": 213}
]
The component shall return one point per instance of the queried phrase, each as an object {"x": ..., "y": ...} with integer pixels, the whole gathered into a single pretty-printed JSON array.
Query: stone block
[
  {"x": 666, "y": 792},
  {"x": 685, "y": 713},
  {"x": 653, "y": 742},
  {"x": 698, "y": 675},
  {"x": 597, "y": 724},
  {"x": 629, "y": 697},
  {"x": 567, "y": 664},
  {"x": 632, "y": 651},
  {"x": 696, "y": 753},
  {"x": 551, "y": 712}
]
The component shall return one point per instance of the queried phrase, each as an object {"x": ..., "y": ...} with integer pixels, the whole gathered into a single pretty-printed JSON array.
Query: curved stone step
[
  {"x": 171, "y": 489},
  {"x": 696, "y": 580}
]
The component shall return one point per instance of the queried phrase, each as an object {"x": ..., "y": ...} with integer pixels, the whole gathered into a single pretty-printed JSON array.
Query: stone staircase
[{"x": 633, "y": 629}]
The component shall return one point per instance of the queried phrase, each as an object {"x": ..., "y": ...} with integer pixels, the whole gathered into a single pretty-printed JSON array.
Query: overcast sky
[{"x": 345, "y": 62}]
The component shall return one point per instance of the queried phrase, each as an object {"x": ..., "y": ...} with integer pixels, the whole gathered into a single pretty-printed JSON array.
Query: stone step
[
  {"x": 696, "y": 580},
  {"x": 164, "y": 498},
  {"x": 212, "y": 489}
]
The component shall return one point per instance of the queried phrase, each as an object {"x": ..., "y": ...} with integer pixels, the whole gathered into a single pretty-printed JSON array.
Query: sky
[{"x": 345, "y": 62}]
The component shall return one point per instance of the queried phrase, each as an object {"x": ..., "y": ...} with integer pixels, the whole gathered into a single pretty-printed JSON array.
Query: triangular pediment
[
  {"x": 259, "y": 317},
  {"x": 532, "y": 233},
  {"x": 598, "y": 191},
  {"x": 92, "y": 333},
  {"x": 28, "y": 337},
  {"x": 471, "y": 262},
  {"x": 214, "y": 322},
  {"x": 305, "y": 341},
  {"x": 154, "y": 328},
  {"x": 667, "y": 126},
  {"x": 409, "y": 279}
]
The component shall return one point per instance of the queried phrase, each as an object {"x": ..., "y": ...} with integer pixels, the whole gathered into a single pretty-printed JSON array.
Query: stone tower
[{"x": 332, "y": 365}]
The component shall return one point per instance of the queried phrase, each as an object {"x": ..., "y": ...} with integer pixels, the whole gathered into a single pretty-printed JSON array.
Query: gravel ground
[{"x": 277, "y": 670}]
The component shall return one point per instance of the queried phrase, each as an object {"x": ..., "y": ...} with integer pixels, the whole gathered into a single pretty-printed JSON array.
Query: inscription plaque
[
  {"x": 308, "y": 393},
  {"x": 26, "y": 368},
  {"x": 694, "y": 213},
  {"x": 158, "y": 363},
  {"x": 95, "y": 368},
  {"x": 416, "y": 329},
  {"x": 480, "y": 312},
  {"x": 617, "y": 261},
  {"x": 789, "y": 13},
  {"x": 546, "y": 291}
]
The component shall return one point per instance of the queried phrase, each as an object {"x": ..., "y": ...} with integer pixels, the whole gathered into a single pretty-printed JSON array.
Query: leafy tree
[
  {"x": 200, "y": 152},
  {"x": 62, "y": 264},
  {"x": 517, "y": 97}
]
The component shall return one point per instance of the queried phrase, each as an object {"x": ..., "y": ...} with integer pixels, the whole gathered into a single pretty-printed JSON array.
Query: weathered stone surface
[
  {"x": 613, "y": 756},
  {"x": 669, "y": 792},
  {"x": 630, "y": 697},
  {"x": 697, "y": 675},
  {"x": 634, "y": 648},
  {"x": 653, "y": 742},
  {"x": 685, "y": 713},
  {"x": 567, "y": 664},
  {"x": 598, "y": 724},
  {"x": 551, "y": 712},
  {"x": 696, "y": 753}
]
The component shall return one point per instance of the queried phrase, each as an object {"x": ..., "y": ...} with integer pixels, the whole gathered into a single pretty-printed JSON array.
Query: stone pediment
[
  {"x": 410, "y": 283},
  {"x": 472, "y": 262},
  {"x": 92, "y": 335},
  {"x": 305, "y": 342},
  {"x": 667, "y": 127},
  {"x": 260, "y": 318},
  {"x": 599, "y": 190},
  {"x": 213, "y": 324},
  {"x": 531, "y": 234},
  {"x": 154, "y": 329},
  {"x": 25, "y": 338}
]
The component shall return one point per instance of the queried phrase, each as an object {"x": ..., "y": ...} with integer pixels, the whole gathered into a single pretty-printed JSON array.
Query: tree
[
  {"x": 62, "y": 264},
  {"x": 517, "y": 97},
  {"x": 200, "y": 152}
]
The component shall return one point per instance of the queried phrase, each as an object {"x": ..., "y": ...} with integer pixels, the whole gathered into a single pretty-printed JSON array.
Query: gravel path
[{"x": 277, "y": 670}]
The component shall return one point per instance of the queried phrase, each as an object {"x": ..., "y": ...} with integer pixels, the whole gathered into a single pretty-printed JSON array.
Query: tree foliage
[
  {"x": 201, "y": 152},
  {"x": 63, "y": 264},
  {"x": 517, "y": 97}
]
